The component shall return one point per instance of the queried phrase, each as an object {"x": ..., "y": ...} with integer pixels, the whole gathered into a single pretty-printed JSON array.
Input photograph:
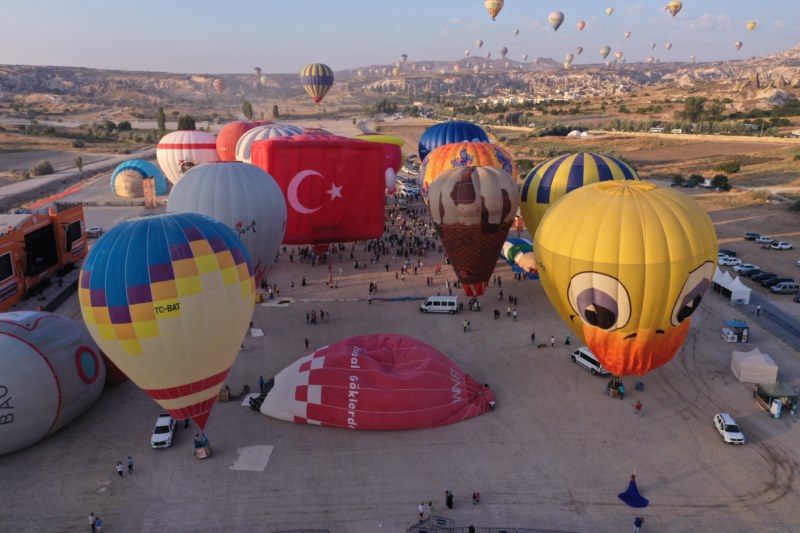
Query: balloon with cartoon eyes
[{"x": 626, "y": 264}]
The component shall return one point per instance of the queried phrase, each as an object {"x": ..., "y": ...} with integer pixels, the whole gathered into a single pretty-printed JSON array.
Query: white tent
[
  {"x": 754, "y": 367},
  {"x": 740, "y": 293}
]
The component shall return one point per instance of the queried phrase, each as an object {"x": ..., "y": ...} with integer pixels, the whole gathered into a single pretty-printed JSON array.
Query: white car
[
  {"x": 163, "y": 431},
  {"x": 765, "y": 240},
  {"x": 94, "y": 233},
  {"x": 728, "y": 428},
  {"x": 781, "y": 246},
  {"x": 742, "y": 266},
  {"x": 724, "y": 260}
]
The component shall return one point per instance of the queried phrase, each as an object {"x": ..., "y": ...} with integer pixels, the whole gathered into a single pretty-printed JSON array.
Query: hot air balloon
[
  {"x": 566, "y": 65},
  {"x": 126, "y": 180},
  {"x": 493, "y": 7},
  {"x": 519, "y": 254},
  {"x": 476, "y": 69},
  {"x": 395, "y": 72},
  {"x": 449, "y": 132},
  {"x": 488, "y": 55},
  {"x": 558, "y": 176},
  {"x": 618, "y": 55},
  {"x": 179, "y": 151},
  {"x": 652, "y": 46},
  {"x": 257, "y": 71},
  {"x": 472, "y": 209},
  {"x": 668, "y": 46},
  {"x": 524, "y": 57},
  {"x": 261, "y": 133},
  {"x": 264, "y": 79},
  {"x": 334, "y": 186},
  {"x": 403, "y": 58},
  {"x": 693, "y": 58},
  {"x": 479, "y": 43},
  {"x": 169, "y": 299},
  {"x": 317, "y": 80},
  {"x": 466, "y": 53},
  {"x": 516, "y": 32},
  {"x": 625, "y": 264},
  {"x": 579, "y": 50},
  {"x": 229, "y": 135},
  {"x": 397, "y": 65},
  {"x": 673, "y": 7},
  {"x": 218, "y": 85},
  {"x": 503, "y": 51},
  {"x": 608, "y": 63},
  {"x": 244, "y": 198},
  {"x": 375, "y": 382},
  {"x": 604, "y": 51},
  {"x": 627, "y": 35},
  {"x": 738, "y": 45},
  {"x": 52, "y": 372},
  {"x": 462, "y": 154},
  {"x": 751, "y": 25},
  {"x": 456, "y": 68},
  {"x": 581, "y": 25},
  {"x": 609, "y": 11},
  {"x": 385, "y": 71},
  {"x": 392, "y": 147},
  {"x": 556, "y": 18},
  {"x": 650, "y": 60},
  {"x": 569, "y": 57}
]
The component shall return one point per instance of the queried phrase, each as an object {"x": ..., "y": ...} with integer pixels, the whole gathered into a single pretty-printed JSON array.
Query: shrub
[
  {"x": 795, "y": 206},
  {"x": 42, "y": 168},
  {"x": 731, "y": 167},
  {"x": 78, "y": 143},
  {"x": 124, "y": 126},
  {"x": 720, "y": 181},
  {"x": 797, "y": 157}
]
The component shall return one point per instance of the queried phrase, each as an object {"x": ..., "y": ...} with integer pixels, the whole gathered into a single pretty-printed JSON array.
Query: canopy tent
[
  {"x": 776, "y": 397},
  {"x": 727, "y": 286},
  {"x": 754, "y": 367}
]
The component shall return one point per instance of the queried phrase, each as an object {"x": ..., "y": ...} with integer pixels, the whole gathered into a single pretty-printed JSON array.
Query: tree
[
  {"x": 275, "y": 113},
  {"x": 124, "y": 126},
  {"x": 161, "y": 121},
  {"x": 720, "y": 181},
  {"x": 678, "y": 180},
  {"x": 693, "y": 108},
  {"x": 186, "y": 122},
  {"x": 79, "y": 163},
  {"x": 42, "y": 168},
  {"x": 247, "y": 110}
]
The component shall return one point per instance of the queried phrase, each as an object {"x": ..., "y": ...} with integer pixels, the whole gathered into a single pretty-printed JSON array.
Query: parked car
[
  {"x": 796, "y": 299},
  {"x": 764, "y": 275},
  {"x": 163, "y": 431},
  {"x": 742, "y": 266},
  {"x": 585, "y": 358},
  {"x": 728, "y": 429},
  {"x": 765, "y": 240},
  {"x": 749, "y": 272},
  {"x": 725, "y": 260},
  {"x": 780, "y": 245},
  {"x": 752, "y": 236},
  {"x": 94, "y": 233},
  {"x": 724, "y": 251},
  {"x": 785, "y": 287},
  {"x": 771, "y": 282}
]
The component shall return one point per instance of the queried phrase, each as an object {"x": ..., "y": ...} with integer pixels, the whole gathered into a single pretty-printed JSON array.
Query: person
[
  {"x": 92, "y": 520},
  {"x": 515, "y": 314},
  {"x": 98, "y": 524},
  {"x": 464, "y": 323},
  {"x": 477, "y": 497},
  {"x": 758, "y": 310},
  {"x": 492, "y": 403},
  {"x": 508, "y": 310},
  {"x": 637, "y": 524},
  {"x": 421, "y": 509},
  {"x": 120, "y": 468},
  {"x": 130, "y": 465},
  {"x": 567, "y": 341},
  {"x": 448, "y": 499},
  {"x": 306, "y": 342},
  {"x": 431, "y": 509},
  {"x": 533, "y": 338},
  {"x": 638, "y": 408},
  {"x": 621, "y": 391},
  {"x": 474, "y": 498},
  {"x": 185, "y": 423},
  {"x": 552, "y": 341},
  {"x": 471, "y": 529}
]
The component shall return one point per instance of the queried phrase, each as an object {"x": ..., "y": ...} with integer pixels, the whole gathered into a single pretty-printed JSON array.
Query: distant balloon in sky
[
  {"x": 569, "y": 57},
  {"x": 604, "y": 51},
  {"x": 396, "y": 71},
  {"x": 476, "y": 69},
  {"x": 493, "y": 7},
  {"x": 751, "y": 25},
  {"x": 609, "y": 11},
  {"x": 317, "y": 80},
  {"x": 555, "y": 19},
  {"x": 466, "y": 53},
  {"x": 738, "y": 45},
  {"x": 524, "y": 57},
  {"x": 650, "y": 60},
  {"x": 181, "y": 150},
  {"x": 479, "y": 43},
  {"x": 668, "y": 46},
  {"x": 673, "y": 7},
  {"x": 264, "y": 79},
  {"x": 627, "y": 35},
  {"x": 618, "y": 55},
  {"x": 693, "y": 58},
  {"x": 581, "y": 25},
  {"x": 516, "y": 32},
  {"x": 503, "y": 51},
  {"x": 567, "y": 64},
  {"x": 488, "y": 55},
  {"x": 652, "y": 46},
  {"x": 579, "y": 50},
  {"x": 403, "y": 58},
  {"x": 257, "y": 71}
]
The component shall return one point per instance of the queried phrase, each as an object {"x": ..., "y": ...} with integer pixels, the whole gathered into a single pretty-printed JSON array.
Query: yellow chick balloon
[{"x": 625, "y": 264}]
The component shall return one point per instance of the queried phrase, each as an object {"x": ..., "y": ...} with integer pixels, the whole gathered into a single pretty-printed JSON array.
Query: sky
[{"x": 281, "y": 36}]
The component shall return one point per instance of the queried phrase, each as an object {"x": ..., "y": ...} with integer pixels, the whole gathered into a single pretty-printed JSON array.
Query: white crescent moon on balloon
[{"x": 291, "y": 191}]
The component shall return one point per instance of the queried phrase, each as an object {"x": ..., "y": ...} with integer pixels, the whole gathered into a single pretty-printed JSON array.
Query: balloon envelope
[
  {"x": 181, "y": 150},
  {"x": 243, "y": 197},
  {"x": 51, "y": 372},
  {"x": 126, "y": 180},
  {"x": 260, "y": 133},
  {"x": 581, "y": 25},
  {"x": 609, "y": 11},
  {"x": 472, "y": 209},
  {"x": 556, "y": 18},
  {"x": 503, "y": 51},
  {"x": 561, "y": 175},
  {"x": 673, "y": 7},
  {"x": 169, "y": 298},
  {"x": 449, "y": 132},
  {"x": 737, "y": 45},
  {"x": 493, "y": 7},
  {"x": 229, "y": 135},
  {"x": 625, "y": 264},
  {"x": 317, "y": 80},
  {"x": 604, "y": 51},
  {"x": 751, "y": 25},
  {"x": 392, "y": 146}
]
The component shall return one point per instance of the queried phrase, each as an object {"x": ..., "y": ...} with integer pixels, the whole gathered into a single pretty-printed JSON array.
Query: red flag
[{"x": 334, "y": 186}]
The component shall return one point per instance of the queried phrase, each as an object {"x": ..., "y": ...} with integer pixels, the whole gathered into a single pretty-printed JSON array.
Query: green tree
[
  {"x": 186, "y": 122},
  {"x": 275, "y": 112},
  {"x": 720, "y": 181},
  {"x": 79, "y": 163},
  {"x": 677, "y": 180},
  {"x": 161, "y": 121},
  {"x": 247, "y": 110},
  {"x": 693, "y": 108}
]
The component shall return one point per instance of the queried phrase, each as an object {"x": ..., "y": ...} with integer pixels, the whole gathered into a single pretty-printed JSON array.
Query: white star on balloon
[{"x": 335, "y": 192}]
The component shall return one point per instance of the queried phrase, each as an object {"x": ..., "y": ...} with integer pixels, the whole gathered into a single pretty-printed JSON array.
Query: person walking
[
  {"x": 508, "y": 310},
  {"x": 130, "y": 465},
  {"x": 92, "y": 520},
  {"x": 98, "y": 524},
  {"x": 120, "y": 468},
  {"x": 431, "y": 509},
  {"x": 567, "y": 341},
  {"x": 533, "y": 338},
  {"x": 637, "y": 409},
  {"x": 758, "y": 310},
  {"x": 464, "y": 323},
  {"x": 448, "y": 499},
  {"x": 306, "y": 343},
  {"x": 552, "y": 341},
  {"x": 514, "y": 314},
  {"x": 421, "y": 510},
  {"x": 637, "y": 524},
  {"x": 474, "y": 498}
]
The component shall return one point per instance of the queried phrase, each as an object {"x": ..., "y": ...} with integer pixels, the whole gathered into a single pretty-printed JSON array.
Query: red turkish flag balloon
[
  {"x": 375, "y": 382},
  {"x": 334, "y": 186}
]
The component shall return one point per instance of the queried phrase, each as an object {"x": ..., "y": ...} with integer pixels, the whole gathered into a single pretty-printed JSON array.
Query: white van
[
  {"x": 440, "y": 304},
  {"x": 585, "y": 358}
]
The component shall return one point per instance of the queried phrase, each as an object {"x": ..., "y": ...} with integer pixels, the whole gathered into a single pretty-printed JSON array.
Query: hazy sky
[{"x": 234, "y": 36}]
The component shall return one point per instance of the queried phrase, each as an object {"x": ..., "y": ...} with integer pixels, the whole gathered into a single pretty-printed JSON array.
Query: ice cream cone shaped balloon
[
  {"x": 169, "y": 298},
  {"x": 473, "y": 208}
]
